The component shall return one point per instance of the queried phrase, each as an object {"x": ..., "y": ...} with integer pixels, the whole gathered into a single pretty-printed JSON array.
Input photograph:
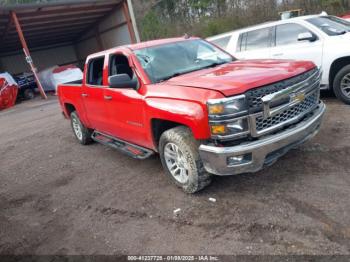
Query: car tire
[
  {"x": 341, "y": 85},
  {"x": 181, "y": 161},
  {"x": 82, "y": 133},
  {"x": 28, "y": 94}
]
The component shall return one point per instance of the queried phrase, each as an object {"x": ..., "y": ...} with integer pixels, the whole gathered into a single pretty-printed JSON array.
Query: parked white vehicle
[{"x": 323, "y": 39}]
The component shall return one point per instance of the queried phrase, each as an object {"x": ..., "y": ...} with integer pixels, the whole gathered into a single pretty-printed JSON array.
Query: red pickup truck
[{"x": 202, "y": 110}]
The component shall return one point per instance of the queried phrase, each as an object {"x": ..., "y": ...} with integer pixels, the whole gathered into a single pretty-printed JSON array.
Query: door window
[
  {"x": 95, "y": 71},
  {"x": 287, "y": 34},
  {"x": 119, "y": 64},
  {"x": 256, "y": 39}
]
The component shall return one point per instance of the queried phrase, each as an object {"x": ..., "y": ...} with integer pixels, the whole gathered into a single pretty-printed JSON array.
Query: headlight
[
  {"x": 228, "y": 117},
  {"x": 231, "y": 106}
]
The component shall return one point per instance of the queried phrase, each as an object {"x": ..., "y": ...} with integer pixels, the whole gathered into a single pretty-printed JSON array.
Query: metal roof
[{"x": 51, "y": 23}]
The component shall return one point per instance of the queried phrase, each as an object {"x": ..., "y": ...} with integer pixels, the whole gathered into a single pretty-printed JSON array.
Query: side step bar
[{"x": 123, "y": 146}]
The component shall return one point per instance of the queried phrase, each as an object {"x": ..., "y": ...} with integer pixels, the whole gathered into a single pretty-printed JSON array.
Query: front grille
[
  {"x": 254, "y": 96},
  {"x": 307, "y": 105}
]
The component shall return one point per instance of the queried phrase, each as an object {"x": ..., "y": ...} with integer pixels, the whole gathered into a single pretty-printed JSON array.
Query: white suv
[{"x": 323, "y": 39}]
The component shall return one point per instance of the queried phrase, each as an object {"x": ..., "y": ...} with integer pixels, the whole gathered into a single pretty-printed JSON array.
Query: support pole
[
  {"x": 128, "y": 21},
  {"x": 133, "y": 20},
  {"x": 27, "y": 54}
]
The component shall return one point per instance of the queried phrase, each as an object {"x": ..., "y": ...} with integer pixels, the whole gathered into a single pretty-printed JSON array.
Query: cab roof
[{"x": 142, "y": 45}]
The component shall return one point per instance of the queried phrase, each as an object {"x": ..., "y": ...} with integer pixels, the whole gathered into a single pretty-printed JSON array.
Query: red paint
[
  {"x": 8, "y": 94},
  {"x": 128, "y": 115}
]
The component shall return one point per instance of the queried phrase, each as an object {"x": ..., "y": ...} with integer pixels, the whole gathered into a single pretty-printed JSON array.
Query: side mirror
[
  {"x": 307, "y": 36},
  {"x": 122, "y": 81}
]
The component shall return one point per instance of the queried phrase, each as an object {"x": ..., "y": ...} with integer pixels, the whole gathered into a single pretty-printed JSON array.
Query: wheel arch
[
  {"x": 337, "y": 65},
  {"x": 159, "y": 126},
  {"x": 69, "y": 108}
]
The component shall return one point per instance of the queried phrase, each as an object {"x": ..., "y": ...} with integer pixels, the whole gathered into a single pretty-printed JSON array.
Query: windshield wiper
[
  {"x": 189, "y": 71},
  {"x": 171, "y": 76},
  {"x": 178, "y": 74},
  {"x": 214, "y": 64}
]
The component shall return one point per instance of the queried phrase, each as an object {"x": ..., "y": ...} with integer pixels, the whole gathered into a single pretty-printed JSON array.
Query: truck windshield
[
  {"x": 169, "y": 60},
  {"x": 331, "y": 25}
]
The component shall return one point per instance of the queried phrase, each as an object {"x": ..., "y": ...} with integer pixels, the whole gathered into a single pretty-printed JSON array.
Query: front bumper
[{"x": 264, "y": 151}]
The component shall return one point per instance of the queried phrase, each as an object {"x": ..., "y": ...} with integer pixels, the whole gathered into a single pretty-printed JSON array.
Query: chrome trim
[
  {"x": 290, "y": 92},
  {"x": 253, "y": 118},
  {"x": 215, "y": 158}
]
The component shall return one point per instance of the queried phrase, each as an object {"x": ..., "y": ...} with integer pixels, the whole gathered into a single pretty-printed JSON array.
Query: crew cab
[
  {"x": 202, "y": 110},
  {"x": 322, "y": 39}
]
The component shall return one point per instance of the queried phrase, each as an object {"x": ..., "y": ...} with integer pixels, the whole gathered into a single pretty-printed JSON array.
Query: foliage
[{"x": 203, "y": 18}]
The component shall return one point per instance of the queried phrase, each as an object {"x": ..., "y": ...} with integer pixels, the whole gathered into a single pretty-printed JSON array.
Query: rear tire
[
  {"x": 341, "y": 85},
  {"x": 181, "y": 161},
  {"x": 82, "y": 133},
  {"x": 28, "y": 94}
]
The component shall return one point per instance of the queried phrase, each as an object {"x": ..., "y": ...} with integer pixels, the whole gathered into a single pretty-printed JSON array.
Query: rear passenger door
[
  {"x": 93, "y": 94},
  {"x": 255, "y": 44},
  {"x": 287, "y": 45}
]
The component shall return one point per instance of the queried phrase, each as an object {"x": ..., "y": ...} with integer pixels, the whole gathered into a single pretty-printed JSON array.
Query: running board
[{"x": 123, "y": 146}]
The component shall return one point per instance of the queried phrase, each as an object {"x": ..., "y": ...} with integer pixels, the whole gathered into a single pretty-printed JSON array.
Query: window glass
[
  {"x": 331, "y": 25},
  {"x": 288, "y": 34},
  {"x": 222, "y": 42},
  {"x": 95, "y": 71},
  {"x": 257, "y": 39},
  {"x": 119, "y": 64},
  {"x": 169, "y": 60}
]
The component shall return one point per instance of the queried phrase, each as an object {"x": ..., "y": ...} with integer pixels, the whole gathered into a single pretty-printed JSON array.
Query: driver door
[{"x": 125, "y": 106}]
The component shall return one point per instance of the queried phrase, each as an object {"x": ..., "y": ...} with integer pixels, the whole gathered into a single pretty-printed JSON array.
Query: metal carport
[{"x": 62, "y": 32}]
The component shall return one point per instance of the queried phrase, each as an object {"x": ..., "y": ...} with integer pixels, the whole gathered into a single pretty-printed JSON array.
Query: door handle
[
  {"x": 108, "y": 97},
  {"x": 84, "y": 95},
  {"x": 278, "y": 54}
]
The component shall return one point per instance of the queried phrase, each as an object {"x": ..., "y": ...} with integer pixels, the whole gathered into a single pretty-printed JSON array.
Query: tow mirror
[
  {"x": 307, "y": 36},
  {"x": 122, "y": 81}
]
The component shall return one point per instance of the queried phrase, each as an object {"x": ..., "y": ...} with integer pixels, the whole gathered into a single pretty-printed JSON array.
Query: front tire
[
  {"x": 181, "y": 161},
  {"x": 82, "y": 133},
  {"x": 341, "y": 85}
]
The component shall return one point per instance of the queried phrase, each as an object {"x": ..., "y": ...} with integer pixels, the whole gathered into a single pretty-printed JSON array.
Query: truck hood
[{"x": 239, "y": 76}]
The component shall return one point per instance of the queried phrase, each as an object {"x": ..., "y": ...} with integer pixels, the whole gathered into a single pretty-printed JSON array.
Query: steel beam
[
  {"x": 129, "y": 22},
  {"x": 27, "y": 54}
]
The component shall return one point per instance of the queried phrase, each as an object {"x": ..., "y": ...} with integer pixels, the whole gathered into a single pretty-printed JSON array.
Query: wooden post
[
  {"x": 27, "y": 54},
  {"x": 128, "y": 21}
]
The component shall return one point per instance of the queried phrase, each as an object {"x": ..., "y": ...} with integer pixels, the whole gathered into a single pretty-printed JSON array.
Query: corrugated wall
[
  {"x": 15, "y": 64},
  {"x": 112, "y": 31}
]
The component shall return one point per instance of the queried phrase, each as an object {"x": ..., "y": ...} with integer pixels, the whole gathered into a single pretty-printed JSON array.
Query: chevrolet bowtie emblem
[{"x": 297, "y": 98}]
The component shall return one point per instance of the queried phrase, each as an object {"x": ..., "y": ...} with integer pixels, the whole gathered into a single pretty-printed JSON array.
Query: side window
[
  {"x": 288, "y": 33},
  {"x": 256, "y": 39},
  {"x": 119, "y": 64},
  {"x": 95, "y": 71},
  {"x": 222, "y": 42}
]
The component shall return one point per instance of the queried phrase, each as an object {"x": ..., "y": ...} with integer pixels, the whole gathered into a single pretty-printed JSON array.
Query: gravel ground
[{"x": 59, "y": 197}]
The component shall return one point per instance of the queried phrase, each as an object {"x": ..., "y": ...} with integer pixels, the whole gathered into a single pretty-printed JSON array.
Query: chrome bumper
[{"x": 264, "y": 151}]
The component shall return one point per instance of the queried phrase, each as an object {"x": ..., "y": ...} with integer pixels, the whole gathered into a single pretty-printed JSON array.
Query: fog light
[
  {"x": 237, "y": 160},
  {"x": 218, "y": 129}
]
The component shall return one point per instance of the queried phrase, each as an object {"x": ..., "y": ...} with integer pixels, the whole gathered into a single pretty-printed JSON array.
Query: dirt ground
[{"x": 59, "y": 197}]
